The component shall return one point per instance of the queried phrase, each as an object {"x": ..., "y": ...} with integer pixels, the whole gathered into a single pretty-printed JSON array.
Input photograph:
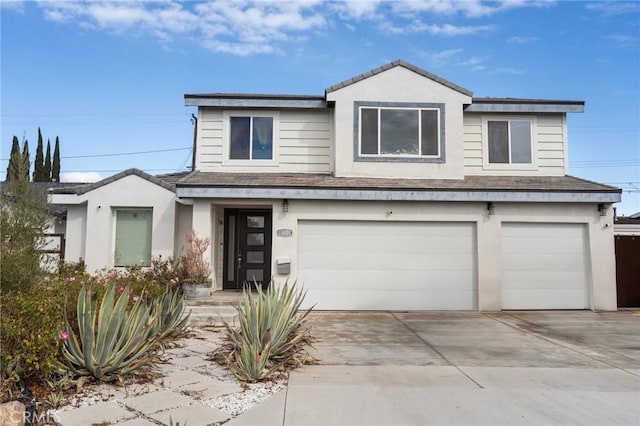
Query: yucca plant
[
  {"x": 272, "y": 334},
  {"x": 168, "y": 310},
  {"x": 113, "y": 340}
]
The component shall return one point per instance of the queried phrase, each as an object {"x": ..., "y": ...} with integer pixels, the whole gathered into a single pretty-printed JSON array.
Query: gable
[
  {"x": 402, "y": 64},
  {"x": 129, "y": 172}
]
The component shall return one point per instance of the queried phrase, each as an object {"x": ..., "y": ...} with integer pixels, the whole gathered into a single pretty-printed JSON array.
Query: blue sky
[{"x": 109, "y": 77}]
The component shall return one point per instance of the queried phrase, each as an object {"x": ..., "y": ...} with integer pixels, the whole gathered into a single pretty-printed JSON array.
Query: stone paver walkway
[{"x": 185, "y": 394}]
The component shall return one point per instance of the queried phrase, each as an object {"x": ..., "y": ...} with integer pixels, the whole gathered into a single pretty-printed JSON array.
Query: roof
[
  {"x": 479, "y": 104},
  {"x": 255, "y": 100},
  {"x": 399, "y": 63},
  {"x": 524, "y": 105},
  {"x": 469, "y": 183},
  {"x": 57, "y": 187},
  {"x": 167, "y": 181},
  {"x": 627, "y": 220}
]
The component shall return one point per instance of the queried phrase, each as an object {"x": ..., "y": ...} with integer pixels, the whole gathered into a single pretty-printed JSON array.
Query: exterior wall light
[
  {"x": 285, "y": 205},
  {"x": 602, "y": 209},
  {"x": 491, "y": 209}
]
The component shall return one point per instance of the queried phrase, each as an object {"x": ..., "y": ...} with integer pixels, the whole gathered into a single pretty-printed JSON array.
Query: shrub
[
  {"x": 111, "y": 341},
  {"x": 29, "y": 343},
  {"x": 195, "y": 268},
  {"x": 273, "y": 334},
  {"x": 24, "y": 217},
  {"x": 168, "y": 309}
]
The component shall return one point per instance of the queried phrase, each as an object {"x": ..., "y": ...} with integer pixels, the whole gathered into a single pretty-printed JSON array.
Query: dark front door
[{"x": 247, "y": 254}]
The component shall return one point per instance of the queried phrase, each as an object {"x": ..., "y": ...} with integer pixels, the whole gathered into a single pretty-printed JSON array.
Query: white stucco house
[{"x": 395, "y": 189}]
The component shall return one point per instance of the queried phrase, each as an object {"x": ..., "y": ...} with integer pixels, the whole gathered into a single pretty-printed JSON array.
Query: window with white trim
[
  {"x": 251, "y": 137},
  {"x": 133, "y": 237},
  {"x": 510, "y": 142},
  {"x": 401, "y": 132}
]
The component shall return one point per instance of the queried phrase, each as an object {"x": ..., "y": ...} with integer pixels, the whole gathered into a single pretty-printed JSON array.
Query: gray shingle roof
[
  {"x": 469, "y": 183},
  {"x": 399, "y": 63},
  {"x": 167, "y": 181}
]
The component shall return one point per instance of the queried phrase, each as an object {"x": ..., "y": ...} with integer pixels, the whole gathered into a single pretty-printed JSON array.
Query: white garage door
[
  {"x": 388, "y": 265},
  {"x": 544, "y": 266}
]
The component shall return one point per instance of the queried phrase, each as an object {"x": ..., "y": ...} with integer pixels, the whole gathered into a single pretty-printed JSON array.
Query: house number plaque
[{"x": 285, "y": 232}]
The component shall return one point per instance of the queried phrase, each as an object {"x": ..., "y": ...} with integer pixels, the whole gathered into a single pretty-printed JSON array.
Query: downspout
[{"x": 195, "y": 139}]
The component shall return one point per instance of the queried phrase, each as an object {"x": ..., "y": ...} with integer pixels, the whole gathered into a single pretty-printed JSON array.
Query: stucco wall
[
  {"x": 601, "y": 265},
  {"x": 91, "y": 223},
  {"x": 398, "y": 85}
]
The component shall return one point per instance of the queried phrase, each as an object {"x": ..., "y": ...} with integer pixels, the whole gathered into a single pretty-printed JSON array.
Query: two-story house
[{"x": 395, "y": 189}]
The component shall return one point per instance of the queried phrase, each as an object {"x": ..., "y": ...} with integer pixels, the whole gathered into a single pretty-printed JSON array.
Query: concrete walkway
[{"x": 381, "y": 368}]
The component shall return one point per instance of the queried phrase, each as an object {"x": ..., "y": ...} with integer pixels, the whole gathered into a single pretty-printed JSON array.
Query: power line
[
  {"x": 116, "y": 154},
  {"x": 128, "y": 153},
  {"x": 173, "y": 169}
]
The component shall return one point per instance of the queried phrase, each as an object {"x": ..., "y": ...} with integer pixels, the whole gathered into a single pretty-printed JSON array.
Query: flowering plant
[{"x": 195, "y": 268}]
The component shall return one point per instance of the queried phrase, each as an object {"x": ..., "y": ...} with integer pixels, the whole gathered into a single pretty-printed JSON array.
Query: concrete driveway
[{"x": 384, "y": 368}]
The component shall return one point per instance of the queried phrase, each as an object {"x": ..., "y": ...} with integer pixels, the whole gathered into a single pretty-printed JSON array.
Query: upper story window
[
  {"x": 399, "y": 132},
  {"x": 510, "y": 142},
  {"x": 251, "y": 137}
]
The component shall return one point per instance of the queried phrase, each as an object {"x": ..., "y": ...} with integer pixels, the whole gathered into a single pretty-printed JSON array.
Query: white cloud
[
  {"x": 468, "y": 8},
  {"x": 448, "y": 30},
  {"x": 459, "y": 58},
  {"x": 444, "y": 57},
  {"x": 611, "y": 8},
  {"x": 522, "y": 40},
  {"x": 80, "y": 177},
  {"x": 15, "y": 5},
  {"x": 357, "y": 9},
  {"x": 623, "y": 41},
  {"x": 247, "y": 27},
  {"x": 505, "y": 70}
]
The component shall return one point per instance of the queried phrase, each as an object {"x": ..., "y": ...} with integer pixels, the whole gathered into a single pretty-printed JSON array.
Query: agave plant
[
  {"x": 272, "y": 334},
  {"x": 168, "y": 310},
  {"x": 113, "y": 340}
]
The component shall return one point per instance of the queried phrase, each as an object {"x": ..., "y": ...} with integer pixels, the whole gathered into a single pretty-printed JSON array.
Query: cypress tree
[
  {"x": 15, "y": 160},
  {"x": 25, "y": 164},
  {"x": 55, "y": 167},
  {"x": 38, "y": 164},
  {"x": 47, "y": 163}
]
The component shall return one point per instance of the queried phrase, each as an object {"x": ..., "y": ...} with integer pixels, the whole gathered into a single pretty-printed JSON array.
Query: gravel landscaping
[{"x": 186, "y": 372}]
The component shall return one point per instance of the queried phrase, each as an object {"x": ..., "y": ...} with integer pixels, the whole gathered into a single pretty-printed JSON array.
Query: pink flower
[
  {"x": 64, "y": 336},
  {"x": 121, "y": 289},
  {"x": 135, "y": 298}
]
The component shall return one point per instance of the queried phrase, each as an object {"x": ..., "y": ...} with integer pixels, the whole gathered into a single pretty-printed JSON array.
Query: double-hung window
[
  {"x": 133, "y": 237},
  {"x": 411, "y": 132},
  {"x": 510, "y": 142},
  {"x": 251, "y": 137}
]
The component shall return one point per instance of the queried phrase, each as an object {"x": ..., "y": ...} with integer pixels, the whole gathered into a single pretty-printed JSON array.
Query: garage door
[
  {"x": 388, "y": 265},
  {"x": 544, "y": 266}
]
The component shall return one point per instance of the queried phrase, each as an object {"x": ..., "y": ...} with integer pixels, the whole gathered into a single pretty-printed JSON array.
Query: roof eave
[
  {"x": 355, "y": 194},
  {"x": 239, "y": 100},
  {"x": 511, "y": 105}
]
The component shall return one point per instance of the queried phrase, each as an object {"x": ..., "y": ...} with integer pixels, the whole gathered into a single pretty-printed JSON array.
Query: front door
[{"x": 247, "y": 254}]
